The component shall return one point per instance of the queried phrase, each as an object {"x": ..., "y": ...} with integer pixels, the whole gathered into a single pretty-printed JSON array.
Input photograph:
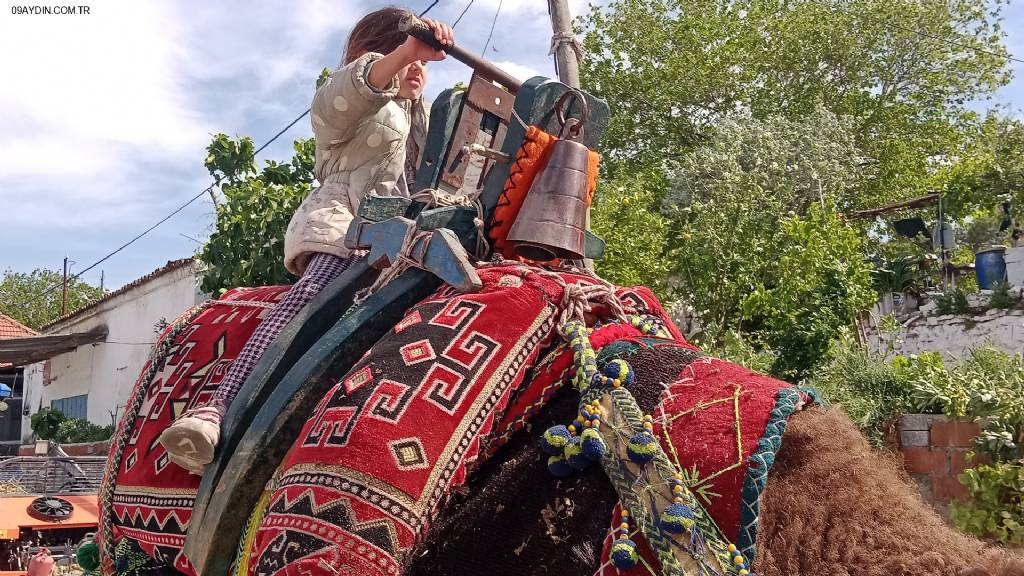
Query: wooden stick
[{"x": 415, "y": 27}]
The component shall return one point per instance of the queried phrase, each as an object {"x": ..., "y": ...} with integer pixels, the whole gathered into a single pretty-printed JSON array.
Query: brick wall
[{"x": 934, "y": 450}]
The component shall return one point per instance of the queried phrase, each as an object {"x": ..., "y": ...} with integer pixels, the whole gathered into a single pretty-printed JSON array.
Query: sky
[{"x": 105, "y": 116}]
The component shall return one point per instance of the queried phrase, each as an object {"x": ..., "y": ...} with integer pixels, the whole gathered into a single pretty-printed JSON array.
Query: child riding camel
[{"x": 370, "y": 126}]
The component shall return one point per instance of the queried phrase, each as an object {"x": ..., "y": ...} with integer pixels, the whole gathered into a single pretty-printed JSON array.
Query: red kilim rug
[{"x": 149, "y": 499}]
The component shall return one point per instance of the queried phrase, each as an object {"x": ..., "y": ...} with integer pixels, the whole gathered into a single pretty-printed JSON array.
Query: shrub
[
  {"x": 989, "y": 386},
  {"x": 872, "y": 391},
  {"x": 996, "y": 508},
  {"x": 734, "y": 347},
  {"x": 81, "y": 430},
  {"x": 45, "y": 423},
  {"x": 952, "y": 302},
  {"x": 1003, "y": 297}
]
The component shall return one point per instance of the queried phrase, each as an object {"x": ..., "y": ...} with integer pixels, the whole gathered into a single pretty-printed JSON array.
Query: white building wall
[{"x": 107, "y": 371}]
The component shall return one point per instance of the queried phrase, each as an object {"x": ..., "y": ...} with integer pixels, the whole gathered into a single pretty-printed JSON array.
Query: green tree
[
  {"x": 35, "y": 298},
  {"x": 756, "y": 244},
  {"x": 817, "y": 288},
  {"x": 247, "y": 246},
  {"x": 625, "y": 215},
  {"x": 986, "y": 170},
  {"x": 902, "y": 71}
]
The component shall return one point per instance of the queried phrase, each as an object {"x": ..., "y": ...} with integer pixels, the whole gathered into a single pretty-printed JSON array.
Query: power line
[
  {"x": 953, "y": 43},
  {"x": 162, "y": 220},
  {"x": 464, "y": 10},
  {"x": 434, "y": 3},
  {"x": 491, "y": 33}
]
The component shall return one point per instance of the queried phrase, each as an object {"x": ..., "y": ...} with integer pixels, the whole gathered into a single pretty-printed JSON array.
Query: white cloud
[
  {"x": 518, "y": 70},
  {"x": 110, "y": 76},
  {"x": 527, "y": 7}
]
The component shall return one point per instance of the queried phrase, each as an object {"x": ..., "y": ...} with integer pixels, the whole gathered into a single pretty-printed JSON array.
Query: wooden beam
[
  {"x": 920, "y": 202},
  {"x": 23, "y": 351}
]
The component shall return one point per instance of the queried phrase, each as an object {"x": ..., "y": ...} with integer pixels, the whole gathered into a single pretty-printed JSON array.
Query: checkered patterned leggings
[{"x": 322, "y": 269}]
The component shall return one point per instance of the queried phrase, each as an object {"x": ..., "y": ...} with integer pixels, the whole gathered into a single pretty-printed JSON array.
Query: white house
[{"x": 93, "y": 381}]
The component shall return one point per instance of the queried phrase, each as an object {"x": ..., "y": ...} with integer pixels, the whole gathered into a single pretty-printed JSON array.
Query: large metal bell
[{"x": 552, "y": 222}]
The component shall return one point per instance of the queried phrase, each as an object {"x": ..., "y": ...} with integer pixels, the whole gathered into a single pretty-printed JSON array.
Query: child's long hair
[{"x": 376, "y": 32}]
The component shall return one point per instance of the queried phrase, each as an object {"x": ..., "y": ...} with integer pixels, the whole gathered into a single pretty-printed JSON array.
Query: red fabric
[
  {"x": 702, "y": 406},
  {"x": 389, "y": 441},
  {"x": 153, "y": 498}
]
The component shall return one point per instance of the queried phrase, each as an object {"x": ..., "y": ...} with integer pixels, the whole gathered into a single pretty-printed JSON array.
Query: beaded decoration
[
  {"x": 638, "y": 467},
  {"x": 623, "y": 551}
]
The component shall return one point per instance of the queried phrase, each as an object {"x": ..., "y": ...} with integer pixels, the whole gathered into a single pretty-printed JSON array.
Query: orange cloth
[
  {"x": 531, "y": 158},
  {"x": 14, "y": 515}
]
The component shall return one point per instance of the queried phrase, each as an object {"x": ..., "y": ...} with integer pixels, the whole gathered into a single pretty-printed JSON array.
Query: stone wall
[{"x": 952, "y": 335}]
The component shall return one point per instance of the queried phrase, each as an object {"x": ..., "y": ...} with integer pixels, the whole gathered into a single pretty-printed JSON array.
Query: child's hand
[{"x": 417, "y": 50}]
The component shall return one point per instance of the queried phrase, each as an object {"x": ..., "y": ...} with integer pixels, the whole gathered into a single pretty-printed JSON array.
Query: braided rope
[
  {"x": 413, "y": 239},
  {"x": 704, "y": 537},
  {"x": 159, "y": 352},
  {"x": 579, "y": 297},
  {"x": 250, "y": 304},
  {"x": 434, "y": 197},
  {"x": 627, "y": 409}
]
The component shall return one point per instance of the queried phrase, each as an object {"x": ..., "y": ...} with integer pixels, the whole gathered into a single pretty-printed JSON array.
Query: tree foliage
[
  {"x": 46, "y": 422},
  {"x": 625, "y": 215},
  {"x": 757, "y": 246},
  {"x": 902, "y": 71},
  {"x": 819, "y": 286},
  {"x": 35, "y": 298},
  {"x": 247, "y": 246},
  {"x": 987, "y": 170}
]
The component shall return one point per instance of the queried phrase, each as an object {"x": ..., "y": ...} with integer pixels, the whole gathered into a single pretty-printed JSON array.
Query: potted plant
[{"x": 898, "y": 284}]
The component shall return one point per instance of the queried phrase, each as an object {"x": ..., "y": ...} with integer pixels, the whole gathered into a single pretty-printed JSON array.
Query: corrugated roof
[
  {"x": 11, "y": 328},
  {"x": 171, "y": 266}
]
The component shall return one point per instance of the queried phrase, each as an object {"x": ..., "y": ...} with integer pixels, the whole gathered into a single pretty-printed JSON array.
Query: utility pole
[
  {"x": 64, "y": 299},
  {"x": 566, "y": 50},
  {"x": 102, "y": 276},
  {"x": 563, "y": 43}
]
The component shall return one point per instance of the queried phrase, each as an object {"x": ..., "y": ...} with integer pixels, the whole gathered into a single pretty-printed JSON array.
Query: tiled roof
[
  {"x": 169, "y": 267},
  {"x": 11, "y": 328}
]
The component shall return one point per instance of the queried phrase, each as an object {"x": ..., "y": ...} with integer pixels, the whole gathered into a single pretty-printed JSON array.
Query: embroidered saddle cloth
[
  {"x": 719, "y": 422},
  {"x": 403, "y": 428},
  {"x": 145, "y": 498}
]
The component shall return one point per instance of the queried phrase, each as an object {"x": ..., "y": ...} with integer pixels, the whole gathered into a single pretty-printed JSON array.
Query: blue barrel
[{"x": 990, "y": 267}]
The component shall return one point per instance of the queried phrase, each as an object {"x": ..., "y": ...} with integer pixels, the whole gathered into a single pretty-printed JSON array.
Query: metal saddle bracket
[{"x": 437, "y": 250}]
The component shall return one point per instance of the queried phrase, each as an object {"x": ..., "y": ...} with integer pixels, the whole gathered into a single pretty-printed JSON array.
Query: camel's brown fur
[{"x": 835, "y": 506}]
